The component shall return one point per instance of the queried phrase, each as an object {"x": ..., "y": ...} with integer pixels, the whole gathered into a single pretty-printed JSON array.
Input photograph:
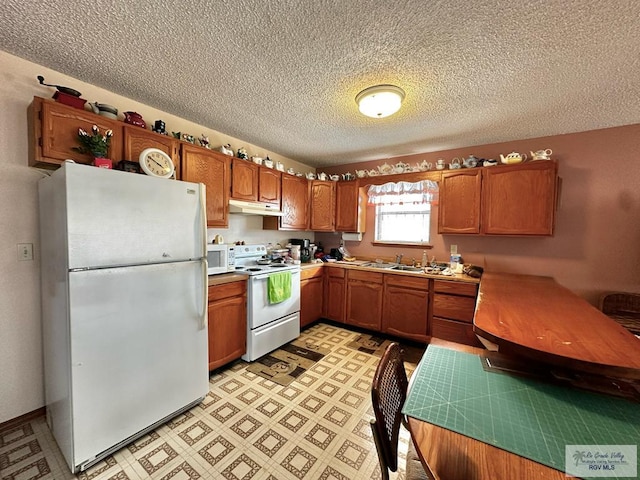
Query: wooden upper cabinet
[
  {"x": 459, "y": 204},
  {"x": 295, "y": 210},
  {"x": 323, "y": 204},
  {"x": 350, "y": 207},
  {"x": 519, "y": 199},
  {"x": 212, "y": 169},
  {"x": 502, "y": 200},
  {"x": 269, "y": 186},
  {"x": 244, "y": 180},
  {"x": 137, "y": 139},
  {"x": 53, "y": 133}
]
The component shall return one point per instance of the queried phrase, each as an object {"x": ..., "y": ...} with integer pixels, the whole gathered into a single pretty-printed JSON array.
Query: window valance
[{"x": 424, "y": 191}]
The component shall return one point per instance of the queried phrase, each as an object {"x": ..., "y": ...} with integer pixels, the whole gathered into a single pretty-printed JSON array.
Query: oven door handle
[{"x": 262, "y": 276}]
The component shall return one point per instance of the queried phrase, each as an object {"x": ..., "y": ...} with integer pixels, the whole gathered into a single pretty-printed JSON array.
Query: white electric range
[{"x": 269, "y": 325}]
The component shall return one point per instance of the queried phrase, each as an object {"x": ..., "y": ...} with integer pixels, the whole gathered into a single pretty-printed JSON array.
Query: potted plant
[{"x": 95, "y": 144}]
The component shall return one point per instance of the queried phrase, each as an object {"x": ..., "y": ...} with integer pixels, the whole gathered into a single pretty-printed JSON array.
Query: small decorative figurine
[
  {"x": 242, "y": 153},
  {"x": 188, "y": 138},
  {"x": 158, "y": 127},
  {"x": 226, "y": 149},
  {"x": 177, "y": 135},
  {"x": 204, "y": 141}
]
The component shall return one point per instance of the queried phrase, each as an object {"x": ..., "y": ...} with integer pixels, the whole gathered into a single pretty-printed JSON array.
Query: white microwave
[{"x": 220, "y": 258}]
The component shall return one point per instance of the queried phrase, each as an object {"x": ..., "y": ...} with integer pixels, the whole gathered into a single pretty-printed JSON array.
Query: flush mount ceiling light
[{"x": 380, "y": 101}]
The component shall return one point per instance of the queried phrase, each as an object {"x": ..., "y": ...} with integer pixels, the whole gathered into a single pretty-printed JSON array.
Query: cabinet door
[
  {"x": 54, "y": 133},
  {"x": 212, "y": 169},
  {"x": 311, "y": 297},
  {"x": 269, "y": 186},
  {"x": 405, "y": 307},
  {"x": 364, "y": 300},
  {"x": 459, "y": 209},
  {"x": 244, "y": 180},
  {"x": 227, "y": 330},
  {"x": 322, "y": 211},
  {"x": 137, "y": 139},
  {"x": 334, "y": 306},
  {"x": 350, "y": 207},
  {"x": 294, "y": 203},
  {"x": 519, "y": 200}
]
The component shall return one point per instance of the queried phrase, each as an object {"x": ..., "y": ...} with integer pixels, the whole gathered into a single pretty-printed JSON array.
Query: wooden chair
[
  {"x": 624, "y": 308},
  {"x": 388, "y": 394}
]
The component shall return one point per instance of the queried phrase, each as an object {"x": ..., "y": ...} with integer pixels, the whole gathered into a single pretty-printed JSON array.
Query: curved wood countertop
[{"x": 537, "y": 318}]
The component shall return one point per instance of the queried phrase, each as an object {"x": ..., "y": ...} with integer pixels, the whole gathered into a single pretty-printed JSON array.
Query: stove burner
[
  {"x": 277, "y": 265},
  {"x": 252, "y": 269}
]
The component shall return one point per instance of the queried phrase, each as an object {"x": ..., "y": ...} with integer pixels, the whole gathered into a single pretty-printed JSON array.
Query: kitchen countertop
[
  {"x": 453, "y": 278},
  {"x": 223, "y": 278},
  {"x": 537, "y": 318}
]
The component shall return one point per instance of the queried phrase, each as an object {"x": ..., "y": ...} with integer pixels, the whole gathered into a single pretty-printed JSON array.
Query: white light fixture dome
[{"x": 380, "y": 101}]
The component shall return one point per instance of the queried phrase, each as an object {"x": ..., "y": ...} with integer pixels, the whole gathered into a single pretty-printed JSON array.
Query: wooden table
[
  {"x": 536, "y": 318},
  {"x": 457, "y": 457}
]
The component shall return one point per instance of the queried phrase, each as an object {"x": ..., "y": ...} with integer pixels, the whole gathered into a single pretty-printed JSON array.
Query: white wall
[{"x": 21, "y": 372}]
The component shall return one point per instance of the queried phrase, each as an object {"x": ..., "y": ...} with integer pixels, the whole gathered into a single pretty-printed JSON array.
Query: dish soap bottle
[{"x": 424, "y": 258}]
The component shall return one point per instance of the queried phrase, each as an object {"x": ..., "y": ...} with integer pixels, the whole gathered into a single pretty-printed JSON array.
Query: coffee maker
[{"x": 305, "y": 248}]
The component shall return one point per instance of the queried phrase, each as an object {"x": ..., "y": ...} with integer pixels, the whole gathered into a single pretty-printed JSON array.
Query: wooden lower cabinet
[
  {"x": 453, "y": 309},
  {"x": 405, "y": 308},
  {"x": 335, "y": 294},
  {"x": 364, "y": 299},
  {"x": 227, "y": 318},
  {"x": 311, "y": 295}
]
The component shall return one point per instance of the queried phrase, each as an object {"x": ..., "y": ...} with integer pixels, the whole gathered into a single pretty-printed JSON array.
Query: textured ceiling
[{"x": 284, "y": 74}]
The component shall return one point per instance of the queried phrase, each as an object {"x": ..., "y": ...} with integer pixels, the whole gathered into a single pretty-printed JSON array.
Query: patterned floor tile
[{"x": 246, "y": 428}]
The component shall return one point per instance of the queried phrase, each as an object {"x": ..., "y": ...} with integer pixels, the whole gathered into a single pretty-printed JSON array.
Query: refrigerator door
[
  {"x": 118, "y": 218},
  {"x": 138, "y": 349}
]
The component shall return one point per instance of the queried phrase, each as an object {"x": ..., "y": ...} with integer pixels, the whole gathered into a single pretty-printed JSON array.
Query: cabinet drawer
[
  {"x": 456, "y": 288},
  {"x": 365, "y": 276},
  {"x": 454, "y": 307},
  {"x": 336, "y": 272},
  {"x": 406, "y": 281},
  {"x": 454, "y": 331},
  {"x": 233, "y": 289},
  {"x": 307, "y": 273}
]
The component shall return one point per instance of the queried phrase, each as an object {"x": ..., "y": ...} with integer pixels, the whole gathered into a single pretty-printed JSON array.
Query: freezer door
[
  {"x": 119, "y": 218},
  {"x": 138, "y": 350}
]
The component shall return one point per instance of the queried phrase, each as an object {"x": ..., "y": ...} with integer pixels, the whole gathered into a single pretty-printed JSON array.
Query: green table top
[{"x": 527, "y": 417}]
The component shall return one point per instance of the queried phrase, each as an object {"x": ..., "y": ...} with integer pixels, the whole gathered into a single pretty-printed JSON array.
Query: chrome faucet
[{"x": 399, "y": 258}]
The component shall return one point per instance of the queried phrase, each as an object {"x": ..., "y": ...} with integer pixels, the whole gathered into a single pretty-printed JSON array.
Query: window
[
  {"x": 403, "y": 211},
  {"x": 407, "y": 223}
]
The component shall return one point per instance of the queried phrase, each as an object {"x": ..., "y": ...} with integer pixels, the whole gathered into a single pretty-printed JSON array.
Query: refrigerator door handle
[
  {"x": 205, "y": 291},
  {"x": 203, "y": 217}
]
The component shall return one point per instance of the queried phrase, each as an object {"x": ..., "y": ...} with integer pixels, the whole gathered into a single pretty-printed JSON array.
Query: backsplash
[{"x": 248, "y": 228}]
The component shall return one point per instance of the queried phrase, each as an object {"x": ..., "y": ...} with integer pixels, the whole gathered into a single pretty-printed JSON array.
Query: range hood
[{"x": 253, "y": 208}]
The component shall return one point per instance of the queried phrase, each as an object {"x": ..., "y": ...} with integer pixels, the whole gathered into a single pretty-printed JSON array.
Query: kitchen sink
[
  {"x": 381, "y": 265},
  {"x": 407, "y": 268}
]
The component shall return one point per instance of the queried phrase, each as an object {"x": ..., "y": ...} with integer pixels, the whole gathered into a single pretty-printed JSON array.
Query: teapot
[
  {"x": 134, "y": 118},
  {"x": 541, "y": 154},
  {"x": 513, "y": 157},
  {"x": 311, "y": 176},
  {"x": 361, "y": 173},
  {"x": 424, "y": 166},
  {"x": 348, "y": 176},
  {"x": 104, "y": 110},
  {"x": 470, "y": 162},
  {"x": 455, "y": 164},
  {"x": 400, "y": 167},
  {"x": 322, "y": 176}
]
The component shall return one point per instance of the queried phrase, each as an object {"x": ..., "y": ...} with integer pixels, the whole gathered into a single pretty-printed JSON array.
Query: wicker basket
[{"x": 624, "y": 308}]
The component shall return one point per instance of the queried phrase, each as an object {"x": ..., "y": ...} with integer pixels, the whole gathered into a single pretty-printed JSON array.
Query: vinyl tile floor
[{"x": 247, "y": 427}]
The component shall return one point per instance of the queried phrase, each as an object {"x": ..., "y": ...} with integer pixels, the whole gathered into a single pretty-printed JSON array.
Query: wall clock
[{"x": 156, "y": 163}]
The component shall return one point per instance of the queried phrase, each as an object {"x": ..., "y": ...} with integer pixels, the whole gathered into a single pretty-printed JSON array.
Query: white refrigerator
[{"x": 124, "y": 297}]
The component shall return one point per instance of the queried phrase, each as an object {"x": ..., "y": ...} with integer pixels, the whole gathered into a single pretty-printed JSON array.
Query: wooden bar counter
[{"x": 536, "y": 318}]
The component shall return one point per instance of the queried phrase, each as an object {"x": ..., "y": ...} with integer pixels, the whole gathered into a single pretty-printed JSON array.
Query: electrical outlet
[{"x": 25, "y": 251}]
